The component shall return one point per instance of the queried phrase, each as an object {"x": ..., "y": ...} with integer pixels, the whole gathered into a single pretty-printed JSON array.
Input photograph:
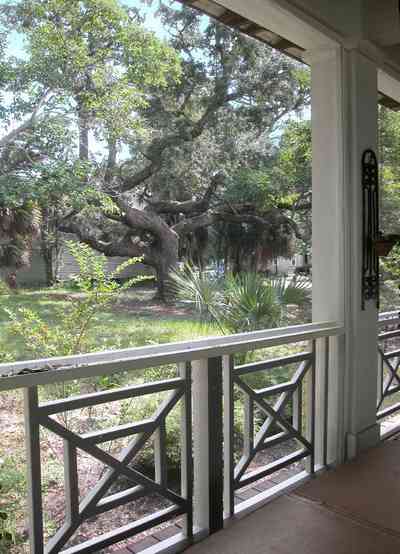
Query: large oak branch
[{"x": 188, "y": 207}]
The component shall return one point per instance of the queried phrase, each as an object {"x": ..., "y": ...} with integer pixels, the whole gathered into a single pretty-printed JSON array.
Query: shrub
[
  {"x": 239, "y": 303},
  {"x": 205, "y": 293},
  {"x": 250, "y": 303}
]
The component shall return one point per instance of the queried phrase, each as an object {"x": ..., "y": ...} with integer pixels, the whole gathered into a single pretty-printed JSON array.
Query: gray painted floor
[{"x": 352, "y": 510}]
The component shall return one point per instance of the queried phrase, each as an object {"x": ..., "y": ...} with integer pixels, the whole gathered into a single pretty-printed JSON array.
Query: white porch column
[
  {"x": 362, "y": 357},
  {"x": 328, "y": 259},
  {"x": 344, "y": 123}
]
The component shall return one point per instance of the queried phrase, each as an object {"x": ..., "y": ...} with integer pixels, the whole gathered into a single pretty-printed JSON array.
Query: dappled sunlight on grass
[{"x": 134, "y": 321}]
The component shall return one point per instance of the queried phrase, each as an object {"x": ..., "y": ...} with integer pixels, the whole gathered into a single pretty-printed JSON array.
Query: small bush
[
  {"x": 96, "y": 289},
  {"x": 239, "y": 303}
]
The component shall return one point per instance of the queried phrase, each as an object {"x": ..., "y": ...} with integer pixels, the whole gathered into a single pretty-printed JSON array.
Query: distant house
[
  {"x": 35, "y": 274},
  {"x": 286, "y": 265}
]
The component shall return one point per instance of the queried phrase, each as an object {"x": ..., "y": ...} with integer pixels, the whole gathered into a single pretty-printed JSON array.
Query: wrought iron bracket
[{"x": 370, "y": 228}]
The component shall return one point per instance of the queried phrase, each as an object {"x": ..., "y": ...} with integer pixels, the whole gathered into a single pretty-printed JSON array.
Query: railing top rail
[
  {"x": 52, "y": 370},
  {"x": 389, "y": 317}
]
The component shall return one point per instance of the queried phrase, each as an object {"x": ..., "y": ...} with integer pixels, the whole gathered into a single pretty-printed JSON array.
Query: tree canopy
[{"x": 144, "y": 146}]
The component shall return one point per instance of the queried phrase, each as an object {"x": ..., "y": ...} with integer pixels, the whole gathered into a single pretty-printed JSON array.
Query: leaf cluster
[{"x": 237, "y": 303}]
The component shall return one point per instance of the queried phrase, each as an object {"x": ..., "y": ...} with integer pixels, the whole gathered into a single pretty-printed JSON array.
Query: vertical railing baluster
[
  {"x": 297, "y": 407},
  {"x": 201, "y": 500},
  {"x": 380, "y": 380},
  {"x": 208, "y": 445},
  {"x": 215, "y": 450},
  {"x": 160, "y": 455},
  {"x": 228, "y": 366},
  {"x": 34, "y": 472},
  {"x": 326, "y": 403},
  {"x": 311, "y": 390},
  {"x": 71, "y": 483},
  {"x": 248, "y": 426},
  {"x": 325, "y": 439},
  {"x": 186, "y": 447}
]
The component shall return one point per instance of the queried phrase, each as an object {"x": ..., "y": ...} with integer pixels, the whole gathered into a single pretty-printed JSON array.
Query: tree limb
[
  {"x": 188, "y": 206},
  {"x": 126, "y": 246},
  {"x": 27, "y": 124},
  {"x": 235, "y": 215}
]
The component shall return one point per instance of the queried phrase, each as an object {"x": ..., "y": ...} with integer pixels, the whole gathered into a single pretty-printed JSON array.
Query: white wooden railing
[{"x": 209, "y": 386}]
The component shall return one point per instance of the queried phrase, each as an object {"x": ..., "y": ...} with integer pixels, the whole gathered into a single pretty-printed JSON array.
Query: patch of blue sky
[
  {"x": 152, "y": 22},
  {"x": 15, "y": 45}
]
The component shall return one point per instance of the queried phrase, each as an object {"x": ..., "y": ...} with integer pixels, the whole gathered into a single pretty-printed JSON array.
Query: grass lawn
[{"x": 135, "y": 320}]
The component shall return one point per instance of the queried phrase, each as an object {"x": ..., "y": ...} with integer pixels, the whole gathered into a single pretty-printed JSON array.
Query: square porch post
[{"x": 344, "y": 124}]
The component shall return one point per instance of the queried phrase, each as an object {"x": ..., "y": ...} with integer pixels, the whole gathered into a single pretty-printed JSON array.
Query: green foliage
[
  {"x": 389, "y": 151},
  {"x": 264, "y": 189},
  {"x": 98, "y": 52},
  {"x": 293, "y": 290},
  {"x": 172, "y": 111},
  {"x": 4, "y": 289},
  {"x": 391, "y": 264},
  {"x": 253, "y": 186},
  {"x": 12, "y": 484},
  {"x": 294, "y": 156},
  {"x": 145, "y": 408},
  {"x": 19, "y": 226},
  {"x": 291, "y": 175},
  {"x": 6, "y": 535},
  {"x": 390, "y": 268},
  {"x": 193, "y": 286},
  {"x": 250, "y": 303},
  {"x": 238, "y": 303},
  {"x": 70, "y": 333}
]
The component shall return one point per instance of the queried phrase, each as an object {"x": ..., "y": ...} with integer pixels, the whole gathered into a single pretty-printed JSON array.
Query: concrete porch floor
[{"x": 354, "y": 509}]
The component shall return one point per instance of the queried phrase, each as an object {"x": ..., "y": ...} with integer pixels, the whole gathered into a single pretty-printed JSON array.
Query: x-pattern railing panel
[
  {"x": 388, "y": 371},
  {"x": 99, "y": 499},
  {"x": 210, "y": 471},
  {"x": 273, "y": 401}
]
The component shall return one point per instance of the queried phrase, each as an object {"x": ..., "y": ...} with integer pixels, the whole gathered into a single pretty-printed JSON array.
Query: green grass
[{"x": 133, "y": 321}]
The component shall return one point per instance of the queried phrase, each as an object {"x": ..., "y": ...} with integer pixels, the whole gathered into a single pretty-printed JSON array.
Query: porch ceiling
[
  {"x": 351, "y": 509},
  {"x": 254, "y": 30},
  {"x": 232, "y": 19}
]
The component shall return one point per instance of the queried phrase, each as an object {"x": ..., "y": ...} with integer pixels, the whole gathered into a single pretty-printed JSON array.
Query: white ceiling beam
[{"x": 284, "y": 19}]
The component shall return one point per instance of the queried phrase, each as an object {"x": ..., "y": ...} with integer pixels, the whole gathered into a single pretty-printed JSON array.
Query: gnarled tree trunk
[{"x": 165, "y": 259}]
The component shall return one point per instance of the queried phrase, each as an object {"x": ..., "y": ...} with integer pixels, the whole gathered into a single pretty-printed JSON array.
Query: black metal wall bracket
[{"x": 370, "y": 228}]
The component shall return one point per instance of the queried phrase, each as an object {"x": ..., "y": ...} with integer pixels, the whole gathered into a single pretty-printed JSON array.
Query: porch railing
[
  {"x": 388, "y": 401},
  {"x": 213, "y": 382}
]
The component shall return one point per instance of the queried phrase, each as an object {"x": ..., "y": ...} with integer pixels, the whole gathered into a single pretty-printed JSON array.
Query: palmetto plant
[
  {"x": 251, "y": 303},
  {"x": 19, "y": 226},
  {"x": 205, "y": 292},
  {"x": 291, "y": 290},
  {"x": 237, "y": 303}
]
